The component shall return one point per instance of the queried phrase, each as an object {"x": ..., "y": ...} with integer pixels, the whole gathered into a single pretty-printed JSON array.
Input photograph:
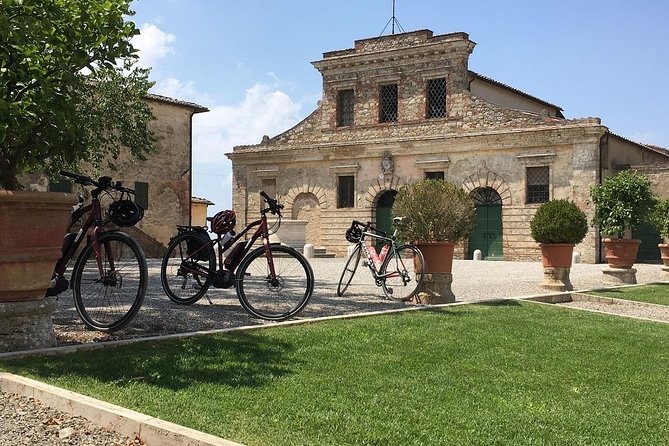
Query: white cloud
[
  {"x": 153, "y": 44},
  {"x": 264, "y": 111}
]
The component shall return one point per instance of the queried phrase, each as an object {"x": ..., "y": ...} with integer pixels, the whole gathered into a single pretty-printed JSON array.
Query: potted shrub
[
  {"x": 57, "y": 107},
  {"x": 621, "y": 203},
  {"x": 660, "y": 218},
  {"x": 436, "y": 215},
  {"x": 558, "y": 225}
]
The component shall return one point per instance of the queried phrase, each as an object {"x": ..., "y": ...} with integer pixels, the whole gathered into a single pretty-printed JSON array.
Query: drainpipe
[{"x": 603, "y": 146}]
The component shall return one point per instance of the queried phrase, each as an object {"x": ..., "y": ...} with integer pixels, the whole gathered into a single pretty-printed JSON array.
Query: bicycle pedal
[{"x": 365, "y": 263}]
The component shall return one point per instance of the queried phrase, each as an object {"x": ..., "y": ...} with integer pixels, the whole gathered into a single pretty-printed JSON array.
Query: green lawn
[
  {"x": 654, "y": 294},
  {"x": 512, "y": 373}
]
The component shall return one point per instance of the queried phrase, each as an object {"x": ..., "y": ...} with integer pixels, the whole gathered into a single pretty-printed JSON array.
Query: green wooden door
[
  {"x": 487, "y": 234},
  {"x": 383, "y": 214},
  {"x": 650, "y": 237}
]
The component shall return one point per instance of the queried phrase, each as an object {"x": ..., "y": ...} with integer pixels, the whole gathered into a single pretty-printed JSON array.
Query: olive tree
[{"x": 69, "y": 88}]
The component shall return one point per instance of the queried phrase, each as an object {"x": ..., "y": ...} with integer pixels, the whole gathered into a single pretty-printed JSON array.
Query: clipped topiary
[
  {"x": 559, "y": 221},
  {"x": 434, "y": 211}
]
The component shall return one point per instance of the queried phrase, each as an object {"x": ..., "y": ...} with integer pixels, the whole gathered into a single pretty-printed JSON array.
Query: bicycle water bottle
[
  {"x": 373, "y": 254},
  {"x": 382, "y": 254}
]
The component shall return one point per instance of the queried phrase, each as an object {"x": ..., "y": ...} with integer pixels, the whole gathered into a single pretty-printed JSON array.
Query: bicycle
[
  {"x": 400, "y": 273},
  {"x": 273, "y": 282},
  {"x": 110, "y": 274}
]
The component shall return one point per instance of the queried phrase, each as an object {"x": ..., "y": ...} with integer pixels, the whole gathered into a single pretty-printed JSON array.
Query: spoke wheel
[
  {"x": 188, "y": 268},
  {"x": 109, "y": 301},
  {"x": 404, "y": 269},
  {"x": 277, "y": 298},
  {"x": 349, "y": 271}
]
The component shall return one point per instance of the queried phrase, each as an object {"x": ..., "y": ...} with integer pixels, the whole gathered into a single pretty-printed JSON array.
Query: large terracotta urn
[
  {"x": 32, "y": 226},
  {"x": 556, "y": 259},
  {"x": 436, "y": 288},
  {"x": 621, "y": 252},
  {"x": 664, "y": 255}
]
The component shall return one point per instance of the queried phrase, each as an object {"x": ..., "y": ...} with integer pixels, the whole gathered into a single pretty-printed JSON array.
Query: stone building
[
  {"x": 162, "y": 182},
  {"x": 402, "y": 107}
]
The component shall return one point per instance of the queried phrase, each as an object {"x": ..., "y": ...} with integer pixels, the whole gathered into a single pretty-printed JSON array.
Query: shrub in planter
[
  {"x": 660, "y": 218},
  {"x": 559, "y": 221},
  {"x": 434, "y": 210},
  {"x": 622, "y": 202},
  {"x": 437, "y": 214},
  {"x": 557, "y": 226}
]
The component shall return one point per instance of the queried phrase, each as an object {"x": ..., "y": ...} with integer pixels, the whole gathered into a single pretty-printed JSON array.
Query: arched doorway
[
  {"x": 384, "y": 206},
  {"x": 306, "y": 207},
  {"x": 487, "y": 234}
]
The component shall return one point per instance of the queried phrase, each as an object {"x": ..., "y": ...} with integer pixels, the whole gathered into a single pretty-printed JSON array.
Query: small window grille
[
  {"x": 388, "y": 103},
  {"x": 345, "y": 191},
  {"x": 434, "y": 175},
  {"x": 436, "y": 98},
  {"x": 537, "y": 184},
  {"x": 344, "y": 108}
]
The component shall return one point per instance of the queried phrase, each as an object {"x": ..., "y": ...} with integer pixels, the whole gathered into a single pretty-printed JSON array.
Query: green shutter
[{"x": 142, "y": 194}]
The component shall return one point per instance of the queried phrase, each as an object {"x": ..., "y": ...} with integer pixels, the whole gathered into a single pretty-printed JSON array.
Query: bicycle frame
[
  {"x": 370, "y": 262},
  {"x": 92, "y": 227},
  {"x": 262, "y": 231}
]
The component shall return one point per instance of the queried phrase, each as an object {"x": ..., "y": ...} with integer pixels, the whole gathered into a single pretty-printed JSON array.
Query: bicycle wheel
[
  {"x": 277, "y": 299},
  {"x": 404, "y": 268},
  {"x": 109, "y": 301},
  {"x": 186, "y": 275},
  {"x": 349, "y": 270}
]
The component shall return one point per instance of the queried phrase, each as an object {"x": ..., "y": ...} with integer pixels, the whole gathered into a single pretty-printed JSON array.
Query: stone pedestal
[
  {"x": 620, "y": 275},
  {"x": 556, "y": 279},
  {"x": 27, "y": 325},
  {"x": 436, "y": 289}
]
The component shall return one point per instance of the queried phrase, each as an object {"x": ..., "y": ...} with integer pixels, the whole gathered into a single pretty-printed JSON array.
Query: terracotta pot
[
  {"x": 32, "y": 226},
  {"x": 556, "y": 255},
  {"x": 621, "y": 253},
  {"x": 664, "y": 253},
  {"x": 438, "y": 256}
]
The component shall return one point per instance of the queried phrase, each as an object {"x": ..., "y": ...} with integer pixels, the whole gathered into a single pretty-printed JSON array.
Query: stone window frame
[
  {"x": 428, "y": 97},
  {"x": 348, "y": 170},
  {"x": 433, "y": 166},
  {"x": 339, "y": 105},
  {"x": 534, "y": 159},
  {"x": 384, "y": 111}
]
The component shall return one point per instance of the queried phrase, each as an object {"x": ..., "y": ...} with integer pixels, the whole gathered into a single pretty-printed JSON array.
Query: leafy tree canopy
[{"x": 68, "y": 88}]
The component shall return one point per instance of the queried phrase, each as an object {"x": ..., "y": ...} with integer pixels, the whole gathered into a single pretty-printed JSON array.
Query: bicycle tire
[
  {"x": 408, "y": 263},
  {"x": 177, "y": 276},
  {"x": 279, "y": 301},
  {"x": 345, "y": 279},
  {"x": 110, "y": 302}
]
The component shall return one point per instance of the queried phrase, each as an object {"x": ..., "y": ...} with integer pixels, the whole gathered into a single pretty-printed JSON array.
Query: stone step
[{"x": 321, "y": 253}]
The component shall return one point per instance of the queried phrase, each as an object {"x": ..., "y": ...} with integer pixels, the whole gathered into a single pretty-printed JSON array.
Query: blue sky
[{"x": 249, "y": 61}]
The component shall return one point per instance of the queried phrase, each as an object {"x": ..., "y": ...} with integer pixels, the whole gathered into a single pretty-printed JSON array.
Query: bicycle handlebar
[
  {"x": 368, "y": 226},
  {"x": 274, "y": 206},
  {"x": 103, "y": 183}
]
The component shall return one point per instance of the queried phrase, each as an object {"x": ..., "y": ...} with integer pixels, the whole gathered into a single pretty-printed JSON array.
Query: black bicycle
[
  {"x": 400, "y": 272},
  {"x": 110, "y": 275},
  {"x": 273, "y": 281}
]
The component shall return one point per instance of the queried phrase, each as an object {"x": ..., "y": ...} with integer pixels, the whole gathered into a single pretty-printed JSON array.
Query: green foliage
[
  {"x": 559, "y": 221},
  {"x": 63, "y": 95},
  {"x": 660, "y": 217},
  {"x": 622, "y": 202},
  {"x": 434, "y": 210}
]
